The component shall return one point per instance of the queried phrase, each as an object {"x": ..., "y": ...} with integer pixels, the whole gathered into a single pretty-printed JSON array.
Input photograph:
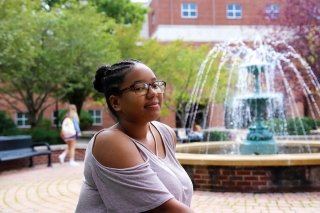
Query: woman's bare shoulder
[{"x": 114, "y": 149}]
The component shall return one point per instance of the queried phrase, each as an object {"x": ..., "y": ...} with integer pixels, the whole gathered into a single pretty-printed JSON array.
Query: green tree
[
  {"x": 123, "y": 24},
  {"x": 43, "y": 51},
  {"x": 178, "y": 64},
  {"x": 128, "y": 38},
  {"x": 123, "y": 11},
  {"x": 28, "y": 72},
  {"x": 89, "y": 44}
]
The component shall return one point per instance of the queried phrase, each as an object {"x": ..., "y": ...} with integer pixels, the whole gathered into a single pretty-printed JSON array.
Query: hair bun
[{"x": 98, "y": 81}]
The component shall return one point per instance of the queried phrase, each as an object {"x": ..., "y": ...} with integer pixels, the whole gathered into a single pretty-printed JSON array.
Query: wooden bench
[{"x": 21, "y": 146}]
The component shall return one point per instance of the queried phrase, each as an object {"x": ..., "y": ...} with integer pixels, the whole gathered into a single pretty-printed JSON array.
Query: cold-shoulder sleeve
[{"x": 134, "y": 189}]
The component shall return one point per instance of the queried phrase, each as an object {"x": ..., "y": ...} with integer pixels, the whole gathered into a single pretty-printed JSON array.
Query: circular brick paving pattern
[{"x": 56, "y": 189}]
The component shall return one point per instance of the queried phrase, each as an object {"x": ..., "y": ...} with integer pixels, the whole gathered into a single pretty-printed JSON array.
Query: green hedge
[
  {"x": 7, "y": 125},
  {"x": 217, "y": 136},
  {"x": 293, "y": 126}
]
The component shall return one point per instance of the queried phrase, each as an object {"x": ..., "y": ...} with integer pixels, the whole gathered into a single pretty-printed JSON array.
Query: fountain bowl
[{"x": 216, "y": 166}]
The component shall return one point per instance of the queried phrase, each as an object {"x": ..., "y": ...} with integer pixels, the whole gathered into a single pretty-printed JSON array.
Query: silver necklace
[{"x": 154, "y": 138}]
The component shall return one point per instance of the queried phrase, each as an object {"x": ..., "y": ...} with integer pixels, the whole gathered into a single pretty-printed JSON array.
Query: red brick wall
[
  {"x": 210, "y": 12},
  {"x": 254, "y": 179}
]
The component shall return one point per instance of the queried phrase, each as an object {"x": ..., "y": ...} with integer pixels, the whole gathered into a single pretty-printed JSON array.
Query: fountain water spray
[{"x": 264, "y": 82}]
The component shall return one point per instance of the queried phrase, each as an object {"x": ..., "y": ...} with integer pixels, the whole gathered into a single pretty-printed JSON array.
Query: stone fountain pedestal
[{"x": 259, "y": 140}]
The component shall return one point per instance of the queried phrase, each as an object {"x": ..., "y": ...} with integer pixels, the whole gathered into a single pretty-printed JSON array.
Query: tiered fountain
[
  {"x": 259, "y": 161},
  {"x": 259, "y": 139}
]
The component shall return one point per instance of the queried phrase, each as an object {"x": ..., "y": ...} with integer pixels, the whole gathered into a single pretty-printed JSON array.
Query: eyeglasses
[{"x": 142, "y": 88}]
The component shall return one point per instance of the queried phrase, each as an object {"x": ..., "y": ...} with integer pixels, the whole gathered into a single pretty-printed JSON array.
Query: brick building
[
  {"x": 204, "y": 21},
  {"x": 211, "y": 20}
]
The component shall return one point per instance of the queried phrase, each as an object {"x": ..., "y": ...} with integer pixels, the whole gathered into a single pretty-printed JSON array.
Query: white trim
[{"x": 208, "y": 33}]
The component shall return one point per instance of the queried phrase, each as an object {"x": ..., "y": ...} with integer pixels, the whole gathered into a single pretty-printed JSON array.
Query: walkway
[{"x": 56, "y": 189}]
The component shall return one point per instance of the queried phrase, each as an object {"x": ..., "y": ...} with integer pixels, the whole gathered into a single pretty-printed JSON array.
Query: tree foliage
[
  {"x": 123, "y": 11},
  {"x": 304, "y": 17},
  {"x": 25, "y": 65},
  {"x": 177, "y": 63},
  {"x": 43, "y": 51},
  {"x": 89, "y": 44}
]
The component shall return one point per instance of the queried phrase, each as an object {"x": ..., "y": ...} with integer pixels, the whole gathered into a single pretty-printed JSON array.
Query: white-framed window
[
  {"x": 22, "y": 119},
  {"x": 96, "y": 117},
  {"x": 189, "y": 10},
  {"x": 55, "y": 118},
  {"x": 234, "y": 11},
  {"x": 272, "y": 11}
]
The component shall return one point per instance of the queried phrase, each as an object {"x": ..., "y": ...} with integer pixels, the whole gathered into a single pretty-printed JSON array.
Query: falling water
[{"x": 286, "y": 80}]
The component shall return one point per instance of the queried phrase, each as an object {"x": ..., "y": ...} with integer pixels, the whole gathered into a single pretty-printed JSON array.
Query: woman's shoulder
[{"x": 112, "y": 148}]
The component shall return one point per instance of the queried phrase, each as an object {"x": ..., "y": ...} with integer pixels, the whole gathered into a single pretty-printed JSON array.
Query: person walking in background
[
  {"x": 131, "y": 166},
  {"x": 70, "y": 131}
]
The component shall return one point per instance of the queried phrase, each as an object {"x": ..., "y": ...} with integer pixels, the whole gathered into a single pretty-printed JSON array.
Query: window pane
[
  {"x": 234, "y": 11},
  {"x": 272, "y": 11},
  {"x": 189, "y": 10},
  {"x": 96, "y": 116}
]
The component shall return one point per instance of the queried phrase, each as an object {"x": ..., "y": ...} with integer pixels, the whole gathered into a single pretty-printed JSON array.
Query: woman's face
[{"x": 139, "y": 105}]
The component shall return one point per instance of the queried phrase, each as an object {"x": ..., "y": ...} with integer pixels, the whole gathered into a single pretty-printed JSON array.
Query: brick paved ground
[{"x": 56, "y": 189}]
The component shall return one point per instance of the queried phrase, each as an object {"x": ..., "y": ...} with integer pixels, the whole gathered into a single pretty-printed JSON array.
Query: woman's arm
[{"x": 76, "y": 125}]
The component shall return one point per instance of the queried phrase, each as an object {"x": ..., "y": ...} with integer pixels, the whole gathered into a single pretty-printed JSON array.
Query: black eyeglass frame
[{"x": 131, "y": 87}]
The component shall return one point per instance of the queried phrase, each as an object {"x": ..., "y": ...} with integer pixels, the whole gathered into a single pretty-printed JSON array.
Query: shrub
[
  {"x": 51, "y": 136},
  {"x": 277, "y": 126},
  {"x": 6, "y": 124},
  {"x": 44, "y": 123},
  {"x": 292, "y": 126},
  {"x": 298, "y": 126},
  {"x": 85, "y": 120},
  {"x": 218, "y": 136},
  {"x": 310, "y": 122}
]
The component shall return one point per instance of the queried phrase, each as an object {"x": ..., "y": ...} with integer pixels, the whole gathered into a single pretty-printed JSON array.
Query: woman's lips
[{"x": 152, "y": 105}]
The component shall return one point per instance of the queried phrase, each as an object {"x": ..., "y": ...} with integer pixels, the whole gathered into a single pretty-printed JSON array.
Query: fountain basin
[{"x": 251, "y": 173}]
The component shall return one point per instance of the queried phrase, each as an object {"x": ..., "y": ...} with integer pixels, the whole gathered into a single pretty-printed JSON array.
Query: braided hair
[{"x": 108, "y": 79}]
